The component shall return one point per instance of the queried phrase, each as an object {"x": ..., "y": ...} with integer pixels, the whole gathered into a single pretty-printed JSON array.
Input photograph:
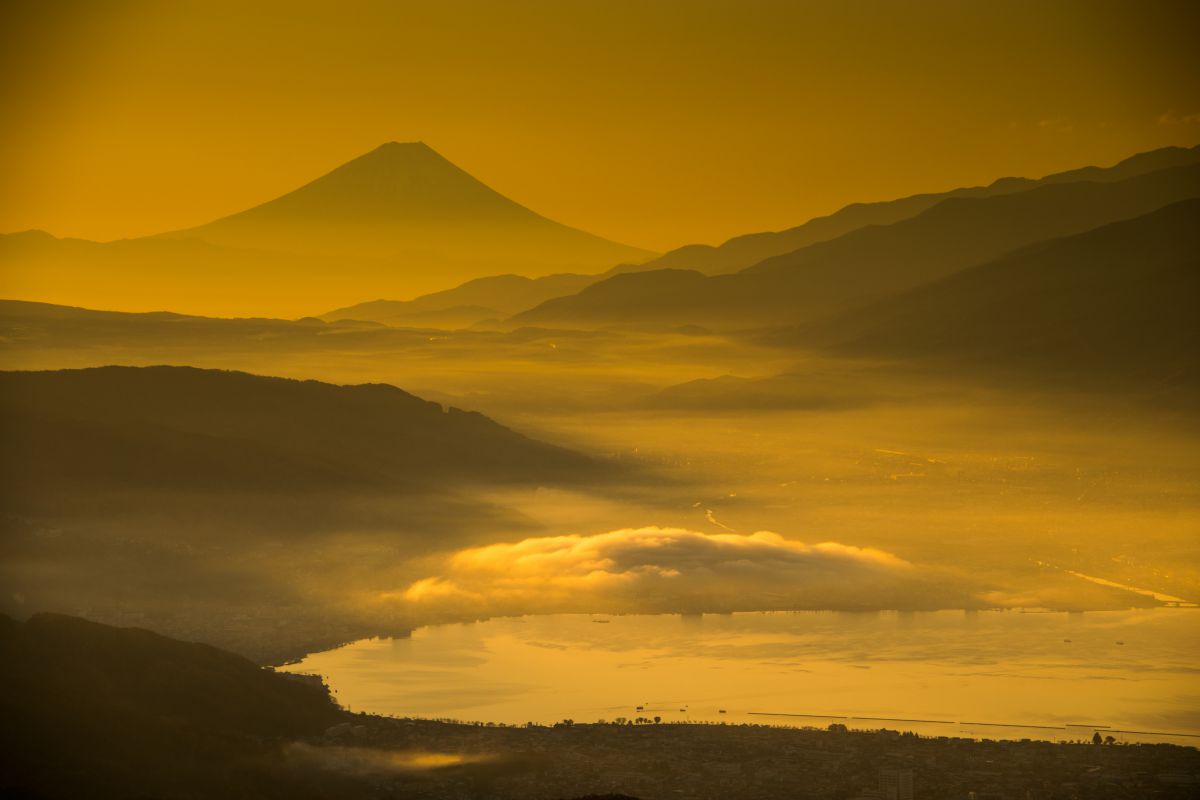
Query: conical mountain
[
  {"x": 400, "y": 221},
  {"x": 394, "y": 184},
  {"x": 405, "y": 202}
]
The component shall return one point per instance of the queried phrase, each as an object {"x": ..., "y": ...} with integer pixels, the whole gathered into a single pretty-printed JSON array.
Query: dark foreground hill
[
  {"x": 95, "y": 711},
  {"x": 100, "y": 712},
  {"x": 260, "y": 514}
]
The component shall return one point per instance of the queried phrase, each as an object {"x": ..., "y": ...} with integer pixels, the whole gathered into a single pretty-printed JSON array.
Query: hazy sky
[{"x": 654, "y": 123}]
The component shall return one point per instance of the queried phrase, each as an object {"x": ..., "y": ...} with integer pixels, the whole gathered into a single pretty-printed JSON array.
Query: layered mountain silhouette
[
  {"x": 31, "y": 325},
  {"x": 505, "y": 295},
  {"x": 744, "y": 251},
  {"x": 399, "y": 221},
  {"x": 213, "y": 504},
  {"x": 1109, "y": 310},
  {"x": 1116, "y": 302},
  {"x": 868, "y": 264},
  {"x": 171, "y": 428},
  {"x": 493, "y": 297}
]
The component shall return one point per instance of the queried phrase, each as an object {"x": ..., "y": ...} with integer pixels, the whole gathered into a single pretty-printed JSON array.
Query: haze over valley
[
  {"x": 945, "y": 417},
  {"x": 368, "y": 437}
]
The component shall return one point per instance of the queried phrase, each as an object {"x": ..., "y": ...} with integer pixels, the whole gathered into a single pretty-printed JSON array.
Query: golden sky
[{"x": 653, "y": 123}]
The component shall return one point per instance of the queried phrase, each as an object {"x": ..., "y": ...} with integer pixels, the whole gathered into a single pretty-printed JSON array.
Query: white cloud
[{"x": 676, "y": 570}]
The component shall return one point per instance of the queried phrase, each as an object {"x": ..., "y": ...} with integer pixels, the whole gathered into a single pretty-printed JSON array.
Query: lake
[{"x": 1133, "y": 674}]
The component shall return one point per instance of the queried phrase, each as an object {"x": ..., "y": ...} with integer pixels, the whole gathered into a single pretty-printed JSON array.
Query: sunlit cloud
[
  {"x": 657, "y": 569},
  {"x": 1173, "y": 118},
  {"x": 1058, "y": 125}
]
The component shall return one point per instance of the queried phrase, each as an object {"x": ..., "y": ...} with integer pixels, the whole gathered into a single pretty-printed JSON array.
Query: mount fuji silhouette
[
  {"x": 398, "y": 221},
  {"x": 404, "y": 200}
]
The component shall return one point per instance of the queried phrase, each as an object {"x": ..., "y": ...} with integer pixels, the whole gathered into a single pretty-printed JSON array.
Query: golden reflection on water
[{"x": 986, "y": 674}]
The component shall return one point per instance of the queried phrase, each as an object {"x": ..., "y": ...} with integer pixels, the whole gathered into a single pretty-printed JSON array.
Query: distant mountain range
[
  {"x": 868, "y": 264},
  {"x": 488, "y": 299},
  {"x": 403, "y": 221},
  {"x": 853, "y": 273},
  {"x": 496, "y": 297},
  {"x": 744, "y": 251},
  {"x": 400, "y": 220},
  {"x": 1117, "y": 301},
  {"x": 1109, "y": 310}
]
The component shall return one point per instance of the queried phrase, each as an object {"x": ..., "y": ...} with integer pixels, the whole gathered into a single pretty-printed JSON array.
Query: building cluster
[{"x": 751, "y": 761}]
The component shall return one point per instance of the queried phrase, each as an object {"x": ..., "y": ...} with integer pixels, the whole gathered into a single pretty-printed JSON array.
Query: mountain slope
[
  {"x": 398, "y": 221},
  {"x": 744, "y": 251},
  {"x": 1118, "y": 301},
  {"x": 100, "y": 711},
  {"x": 868, "y": 264},
  {"x": 259, "y": 514},
  {"x": 404, "y": 202},
  {"x": 189, "y": 276},
  {"x": 165, "y": 428},
  {"x": 494, "y": 296},
  {"x": 656, "y": 298}
]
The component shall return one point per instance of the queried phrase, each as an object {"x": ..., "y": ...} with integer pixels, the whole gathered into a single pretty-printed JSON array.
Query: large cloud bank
[{"x": 677, "y": 570}]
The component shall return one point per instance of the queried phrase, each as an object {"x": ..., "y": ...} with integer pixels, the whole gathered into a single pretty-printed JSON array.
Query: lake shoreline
[{"x": 792, "y": 665}]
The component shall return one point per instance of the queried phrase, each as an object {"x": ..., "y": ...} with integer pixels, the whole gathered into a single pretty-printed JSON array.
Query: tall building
[{"x": 896, "y": 784}]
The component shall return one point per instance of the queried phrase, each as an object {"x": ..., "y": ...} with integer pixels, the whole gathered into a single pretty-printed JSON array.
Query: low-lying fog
[{"x": 799, "y": 482}]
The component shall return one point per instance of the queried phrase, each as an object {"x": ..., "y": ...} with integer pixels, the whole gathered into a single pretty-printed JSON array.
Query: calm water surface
[{"x": 1134, "y": 675}]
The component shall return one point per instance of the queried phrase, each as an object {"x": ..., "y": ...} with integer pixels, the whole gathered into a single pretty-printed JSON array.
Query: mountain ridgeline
[
  {"x": 745, "y": 251},
  {"x": 868, "y": 264},
  {"x": 495, "y": 297},
  {"x": 177, "y": 427},
  {"x": 487, "y": 299},
  {"x": 403, "y": 202},
  {"x": 400, "y": 220},
  {"x": 1116, "y": 303},
  {"x": 218, "y": 505}
]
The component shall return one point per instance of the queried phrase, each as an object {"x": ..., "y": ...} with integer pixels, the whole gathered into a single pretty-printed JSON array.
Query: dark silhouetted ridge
[
  {"x": 399, "y": 221},
  {"x": 744, "y": 251},
  {"x": 163, "y": 427},
  {"x": 97, "y": 711},
  {"x": 870, "y": 263},
  {"x": 493, "y": 296},
  {"x": 1116, "y": 303}
]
